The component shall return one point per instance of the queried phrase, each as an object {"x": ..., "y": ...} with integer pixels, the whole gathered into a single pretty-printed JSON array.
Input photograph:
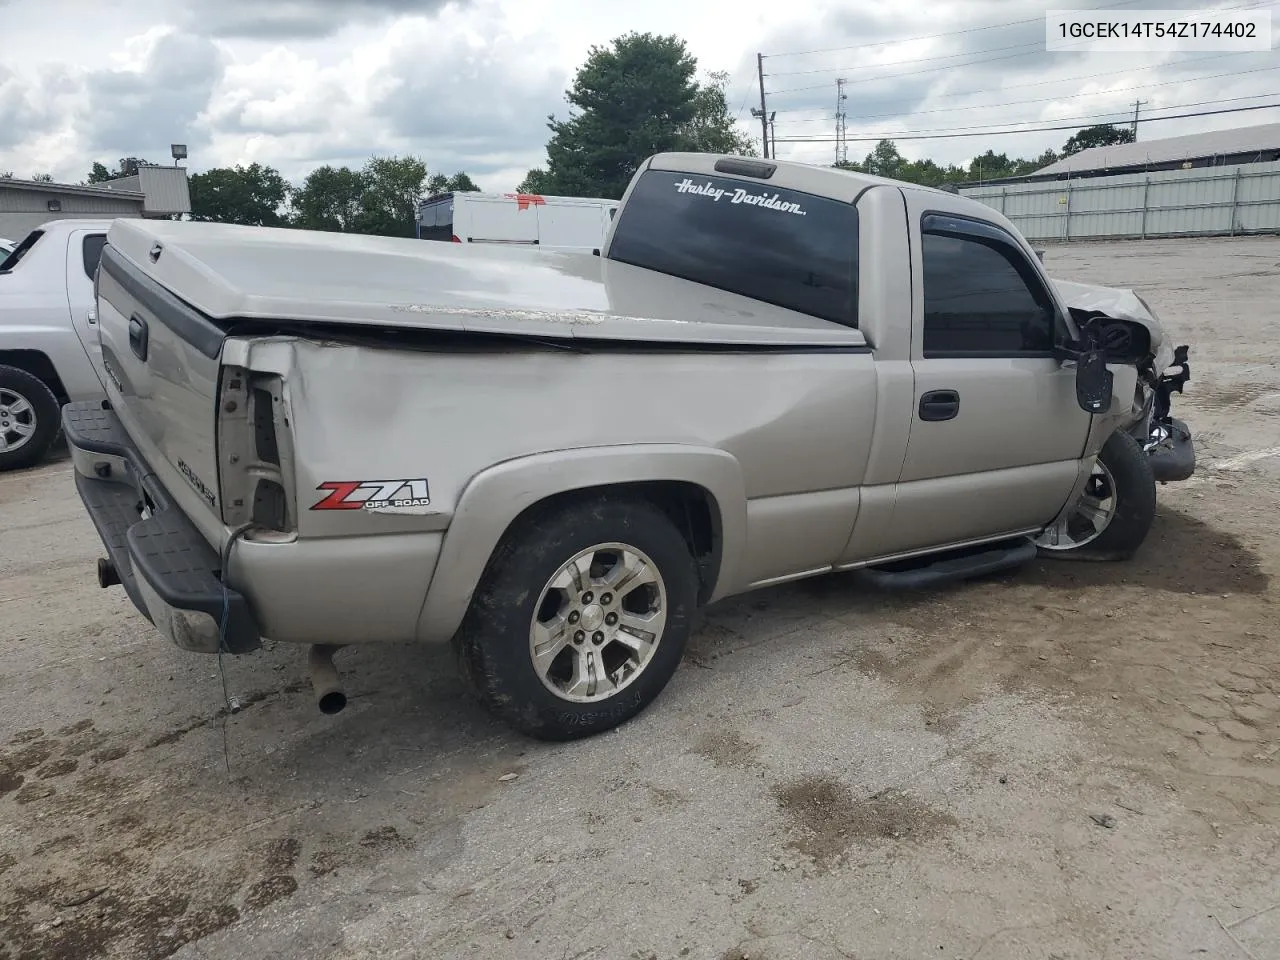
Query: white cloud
[{"x": 468, "y": 85}]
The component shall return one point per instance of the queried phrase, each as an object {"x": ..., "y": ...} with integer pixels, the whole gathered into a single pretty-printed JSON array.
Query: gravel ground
[{"x": 1070, "y": 761}]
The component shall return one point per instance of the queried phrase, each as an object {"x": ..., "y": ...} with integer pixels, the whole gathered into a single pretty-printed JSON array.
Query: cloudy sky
[{"x": 467, "y": 84}]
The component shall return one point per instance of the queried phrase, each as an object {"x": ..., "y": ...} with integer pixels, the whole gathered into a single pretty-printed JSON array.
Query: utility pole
[
  {"x": 764, "y": 110},
  {"x": 842, "y": 142},
  {"x": 1137, "y": 105}
]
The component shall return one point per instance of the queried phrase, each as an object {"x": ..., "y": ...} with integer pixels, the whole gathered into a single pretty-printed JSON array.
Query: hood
[{"x": 1122, "y": 304}]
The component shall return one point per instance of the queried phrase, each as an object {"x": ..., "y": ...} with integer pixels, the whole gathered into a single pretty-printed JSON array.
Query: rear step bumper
[{"x": 167, "y": 568}]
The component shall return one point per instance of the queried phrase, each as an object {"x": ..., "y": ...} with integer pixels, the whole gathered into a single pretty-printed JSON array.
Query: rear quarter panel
[{"x": 779, "y": 439}]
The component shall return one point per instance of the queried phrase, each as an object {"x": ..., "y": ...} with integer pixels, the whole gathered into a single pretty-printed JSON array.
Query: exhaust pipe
[
  {"x": 330, "y": 697},
  {"x": 108, "y": 576}
]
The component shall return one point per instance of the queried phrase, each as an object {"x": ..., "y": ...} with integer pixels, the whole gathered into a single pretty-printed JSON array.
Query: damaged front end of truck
[{"x": 1163, "y": 372}]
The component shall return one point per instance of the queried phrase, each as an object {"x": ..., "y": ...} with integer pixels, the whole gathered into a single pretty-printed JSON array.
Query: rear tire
[
  {"x": 29, "y": 421},
  {"x": 1123, "y": 489},
  {"x": 558, "y": 655}
]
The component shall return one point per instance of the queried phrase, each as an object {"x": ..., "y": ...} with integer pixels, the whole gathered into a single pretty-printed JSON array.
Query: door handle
[
  {"x": 939, "y": 405},
  {"x": 92, "y": 317},
  {"x": 138, "y": 337}
]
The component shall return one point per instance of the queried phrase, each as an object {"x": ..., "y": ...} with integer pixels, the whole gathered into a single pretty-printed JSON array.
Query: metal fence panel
[{"x": 1198, "y": 202}]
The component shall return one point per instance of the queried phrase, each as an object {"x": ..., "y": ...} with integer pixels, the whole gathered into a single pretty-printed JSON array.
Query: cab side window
[
  {"x": 91, "y": 252},
  {"x": 981, "y": 298}
]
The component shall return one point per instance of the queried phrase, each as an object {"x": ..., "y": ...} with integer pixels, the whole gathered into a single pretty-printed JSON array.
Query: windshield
[{"x": 20, "y": 251}]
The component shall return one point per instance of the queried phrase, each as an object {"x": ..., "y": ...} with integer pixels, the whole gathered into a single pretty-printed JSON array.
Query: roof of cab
[{"x": 833, "y": 182}]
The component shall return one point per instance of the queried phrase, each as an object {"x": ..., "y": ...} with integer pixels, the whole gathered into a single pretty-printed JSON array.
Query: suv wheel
[
  {"x": 28, "y": 419},
  {"x": 1113, "y": 515},
  {"x": 581, "y": 618}
]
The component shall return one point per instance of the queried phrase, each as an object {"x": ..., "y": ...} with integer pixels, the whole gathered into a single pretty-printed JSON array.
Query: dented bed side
[{"x": 357, "y": 495}]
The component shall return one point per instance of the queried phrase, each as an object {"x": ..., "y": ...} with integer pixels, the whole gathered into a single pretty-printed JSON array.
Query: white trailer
[{"x": 554, "y": 223}]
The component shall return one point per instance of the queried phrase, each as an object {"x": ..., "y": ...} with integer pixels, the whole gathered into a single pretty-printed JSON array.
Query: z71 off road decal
[{"x": 377, "y": 496}]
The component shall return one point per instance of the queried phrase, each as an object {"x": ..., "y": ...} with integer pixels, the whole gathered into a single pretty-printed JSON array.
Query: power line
[
  {"x": 1020, "y": 86},
  {"x": 1019, "y": 103},
  {"x": 894, "y": 63},
  {"x": 944, "y": 135},
  {"x": 842, "y": 144},
  {"x": 1089, "y": 119},
  {"x": 764, "y": 110},
  {"x": 982, "y": 60},
  {"x": 980, "y": 54},
  {"x": 934, "y": 36},
  {"x": 1037, "y": 47},
  {"x": 1139, "y": 104}
]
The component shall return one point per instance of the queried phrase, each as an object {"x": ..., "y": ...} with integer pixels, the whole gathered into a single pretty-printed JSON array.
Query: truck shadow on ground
[
  {"x": 1181, "y": 555},
  {"x": 1182, "y": 558}
]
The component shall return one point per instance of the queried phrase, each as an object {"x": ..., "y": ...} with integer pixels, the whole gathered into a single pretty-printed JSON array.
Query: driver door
[{"x": 996, "y": 434}]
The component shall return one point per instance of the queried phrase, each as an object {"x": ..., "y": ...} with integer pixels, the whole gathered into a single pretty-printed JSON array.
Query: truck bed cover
[{"x": 230, "y": 272}]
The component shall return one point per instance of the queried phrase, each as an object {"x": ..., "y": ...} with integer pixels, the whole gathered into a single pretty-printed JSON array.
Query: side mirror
[
  {"x": 1093, "y": 382},
  {"x": 1120, "y": 341}
]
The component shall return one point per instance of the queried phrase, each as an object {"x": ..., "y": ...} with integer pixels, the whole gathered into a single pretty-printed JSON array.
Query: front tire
[
  {"x": 1112, "y": 517},
  {"x": 28, "y": 419},
  {"x": 581, "y": 618}
]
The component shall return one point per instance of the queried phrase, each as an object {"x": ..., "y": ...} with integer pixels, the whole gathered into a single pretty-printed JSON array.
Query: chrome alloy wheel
[
  {"x": 17, "y": 420},
  {"x": 1088, "y": 518},
  {"x": 598, "y": 623}
]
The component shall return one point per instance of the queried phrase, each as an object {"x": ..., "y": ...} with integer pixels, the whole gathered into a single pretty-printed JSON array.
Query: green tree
[
  {"x": 884, "y": 161},
  {"x": 929, "y": 174},
  {"x": 536, "y": 181},
  {"x": 459, "y": 183},
  {"x": 1042, "y": 161},
  {"x": 329, "y": 199},
  {"x": 392, "y": 187},
  {"x": 629, "y": 100},
  {"x": 1101, "y": 135},
  {"x": 991, "y": 166},
  {"x": 98, "y": 173},
  {"x": 379, "y": 198},
  {"x": 254, "y": 195},
  {"x": 712, "y": 130}
]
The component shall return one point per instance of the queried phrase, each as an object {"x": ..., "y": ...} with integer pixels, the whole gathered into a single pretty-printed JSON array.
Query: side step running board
[{"x": 950, "y": 567}]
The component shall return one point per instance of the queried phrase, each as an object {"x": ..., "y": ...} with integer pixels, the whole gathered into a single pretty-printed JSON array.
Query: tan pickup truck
[{"x": 770, "y": 371}]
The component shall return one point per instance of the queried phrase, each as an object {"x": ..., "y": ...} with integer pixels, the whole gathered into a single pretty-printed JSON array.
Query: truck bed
[{"x": 230, "y": 273}]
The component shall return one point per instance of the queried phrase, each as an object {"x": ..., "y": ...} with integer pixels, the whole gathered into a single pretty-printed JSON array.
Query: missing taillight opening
[{"x": 264, "y": 427}]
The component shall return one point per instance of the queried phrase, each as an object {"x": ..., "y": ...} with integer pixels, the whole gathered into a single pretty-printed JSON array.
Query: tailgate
[{"x": 161, "y": 359}]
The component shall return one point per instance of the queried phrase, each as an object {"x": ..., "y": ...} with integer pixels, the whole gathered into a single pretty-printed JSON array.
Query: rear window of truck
[{"x": 787, "y": 248}]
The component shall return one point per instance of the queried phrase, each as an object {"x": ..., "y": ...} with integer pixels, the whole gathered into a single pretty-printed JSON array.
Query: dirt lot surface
[{"x": 1071, "y": 761}]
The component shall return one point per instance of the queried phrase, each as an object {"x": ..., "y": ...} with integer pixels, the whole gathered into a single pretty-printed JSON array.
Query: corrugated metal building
[
  {"x": 152, "y": 192},
  {"x": 1216, "y": 148},
  {"x": 1225, "y": 182}
]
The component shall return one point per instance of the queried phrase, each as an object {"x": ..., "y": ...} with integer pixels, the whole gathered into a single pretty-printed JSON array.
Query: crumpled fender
[{"x": 1122, "y": 304}]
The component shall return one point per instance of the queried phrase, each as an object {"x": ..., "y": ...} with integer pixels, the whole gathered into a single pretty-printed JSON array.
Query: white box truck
[{"x": 556, "y": 223}]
